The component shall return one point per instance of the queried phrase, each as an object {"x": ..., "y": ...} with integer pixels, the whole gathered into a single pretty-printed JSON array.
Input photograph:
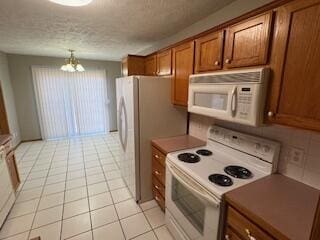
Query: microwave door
[{"x": 213, "y": 100}]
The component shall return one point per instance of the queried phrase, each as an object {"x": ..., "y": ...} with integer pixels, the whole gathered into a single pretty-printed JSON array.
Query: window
[{"x": 70, "y": 104}]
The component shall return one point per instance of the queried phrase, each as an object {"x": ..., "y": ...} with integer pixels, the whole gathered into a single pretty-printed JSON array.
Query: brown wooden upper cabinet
[
  {"x": 208, "y": 52},
  {"x": 182, "y": 67},
  {"x": 295, "y": 88},
  {"x": 247, "y": 42},
  {"x": 164, "y": 61},
  {"x": 151, "y": 65},
  {"x": 132, "y": 65}
]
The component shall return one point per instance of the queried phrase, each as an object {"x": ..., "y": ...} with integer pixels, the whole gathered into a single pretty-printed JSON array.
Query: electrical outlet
[{"x": 295, "y": 156}]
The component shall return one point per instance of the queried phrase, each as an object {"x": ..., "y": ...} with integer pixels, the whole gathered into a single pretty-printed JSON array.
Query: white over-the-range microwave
[{"x": 236, "y": 96}]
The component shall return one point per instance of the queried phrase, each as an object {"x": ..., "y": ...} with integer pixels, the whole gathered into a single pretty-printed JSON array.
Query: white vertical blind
[{"x": 70, "y": 104}]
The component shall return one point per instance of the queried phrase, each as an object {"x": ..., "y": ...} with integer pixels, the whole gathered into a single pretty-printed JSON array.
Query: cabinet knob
[
  {"x": 228, "y": 60},
  {"x": 250, "y": 237},
  {"x": 216, "y": 63},
  {"x": 270, "y": 114},
  {"x": 226, "y": 237},
  {"x": 157, "y": 187},
  {"x": 156, "y": 156},
  {"x": 157, "y": 173}
]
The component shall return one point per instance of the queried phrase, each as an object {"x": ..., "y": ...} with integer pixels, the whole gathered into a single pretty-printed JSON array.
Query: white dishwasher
[{"x": 7, "y": 195}]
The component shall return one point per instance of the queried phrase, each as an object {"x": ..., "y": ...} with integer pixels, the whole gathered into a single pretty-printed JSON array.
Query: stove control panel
[{"x": 265, "y": 149}]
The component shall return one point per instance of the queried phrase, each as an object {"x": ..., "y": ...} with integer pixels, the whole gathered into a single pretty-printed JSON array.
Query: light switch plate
[{"x": 296, "y": 156}]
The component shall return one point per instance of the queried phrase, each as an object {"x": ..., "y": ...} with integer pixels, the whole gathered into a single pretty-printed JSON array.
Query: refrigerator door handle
[{"x": 123, "y": 118}]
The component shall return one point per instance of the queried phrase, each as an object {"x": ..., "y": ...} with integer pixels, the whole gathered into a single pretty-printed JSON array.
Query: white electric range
[{"x": 197, "y": 179}]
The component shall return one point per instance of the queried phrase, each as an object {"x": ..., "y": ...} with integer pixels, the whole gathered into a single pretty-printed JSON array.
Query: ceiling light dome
[{"x": 72, "y": 3}]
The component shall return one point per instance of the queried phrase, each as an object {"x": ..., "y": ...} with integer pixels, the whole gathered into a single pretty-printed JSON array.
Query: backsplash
[{"x": 300, "y": 149}]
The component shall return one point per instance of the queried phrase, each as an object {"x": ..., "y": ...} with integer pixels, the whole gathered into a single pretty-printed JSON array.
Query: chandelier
[{"x": 72, "y": 64}]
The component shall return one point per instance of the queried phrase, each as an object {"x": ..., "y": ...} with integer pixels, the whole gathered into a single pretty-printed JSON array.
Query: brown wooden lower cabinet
[
  {"x": 13, "y": 170},
  {"x": 231, "y": 235},
  {"x": 239, "y": 227},
  {"x": 158, "y": 177}
]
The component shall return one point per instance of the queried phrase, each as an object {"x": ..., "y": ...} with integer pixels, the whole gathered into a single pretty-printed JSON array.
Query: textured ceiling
[{"x": 105, "y": 29}]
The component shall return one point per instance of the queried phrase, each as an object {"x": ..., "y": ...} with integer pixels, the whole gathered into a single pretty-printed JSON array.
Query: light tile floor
[{"x": 71, "y": 189}]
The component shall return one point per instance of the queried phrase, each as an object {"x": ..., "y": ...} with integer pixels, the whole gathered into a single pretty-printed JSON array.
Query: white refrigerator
[{"x": 145, "y": 112}]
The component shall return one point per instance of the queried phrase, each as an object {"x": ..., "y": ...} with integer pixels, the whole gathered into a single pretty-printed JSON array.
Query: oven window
[
  {"x": 189, "y": 205},
  {"x": 211, "y": 100}
]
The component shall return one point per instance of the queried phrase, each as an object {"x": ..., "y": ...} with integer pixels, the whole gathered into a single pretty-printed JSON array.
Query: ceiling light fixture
[
  {"x": 72, "y": 64},
  {"x": 72, "y": 3}
]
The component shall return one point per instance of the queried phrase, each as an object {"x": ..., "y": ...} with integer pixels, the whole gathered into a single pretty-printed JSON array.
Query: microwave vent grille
[{"x": 251, "y": 77}]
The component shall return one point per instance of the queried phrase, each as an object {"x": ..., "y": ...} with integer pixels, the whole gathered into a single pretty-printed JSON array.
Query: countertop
[
  {"x": 284, "y": 207},
  {"x": 172, "y": 144},
  {"x": 4, "y": 138}
]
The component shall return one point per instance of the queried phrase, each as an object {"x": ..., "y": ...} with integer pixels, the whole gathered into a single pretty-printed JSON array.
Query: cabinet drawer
[
  {"x": 159, "y": 198},
  {"x": 156, "y": 154},
  {"x": 7, "y": 147},
  {"x": 158, "y": 171},
  {"x": 159, "y": 186},
  {"x": 244, "y": 227},
  {"x": 231, "y": 235}
]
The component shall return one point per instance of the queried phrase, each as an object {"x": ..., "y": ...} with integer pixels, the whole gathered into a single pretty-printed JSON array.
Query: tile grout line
[
  {"x": 88, "y": 196},
  {"x": 35, "y": 213},
  {"x": 64, "y": 192},
  {"x": 123, "y": 233}
]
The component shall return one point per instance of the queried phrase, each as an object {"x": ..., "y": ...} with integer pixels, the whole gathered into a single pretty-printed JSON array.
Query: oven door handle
[
  {"x": 234, "y": 101},
  {"x": 192, "y": 186}
]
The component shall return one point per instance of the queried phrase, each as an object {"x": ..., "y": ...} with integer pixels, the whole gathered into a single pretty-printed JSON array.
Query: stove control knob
[
  {"x": 257, "y": 146},
  {"x": 266, "y": 148}
]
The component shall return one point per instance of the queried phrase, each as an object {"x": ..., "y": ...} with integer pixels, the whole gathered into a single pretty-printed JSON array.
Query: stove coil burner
[
  {"x": 189, "y": 157},
  {"x": 238, "y": 172},
  {"x": 221, "y": 180},
  {"x": 204, "y": 152}
]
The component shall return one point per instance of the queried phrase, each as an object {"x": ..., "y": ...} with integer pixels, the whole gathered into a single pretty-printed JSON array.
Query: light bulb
[
  {"x": 80, "y": 68},
  {"x": 72, "y": 3}
]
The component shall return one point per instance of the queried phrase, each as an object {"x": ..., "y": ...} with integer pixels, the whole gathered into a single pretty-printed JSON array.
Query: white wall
[
  {"x": 229, "y": 12},
  {"x": 9, "y": 100},
  {"x": 308, "y": 171},
  {"x": 21, "y": 78}
]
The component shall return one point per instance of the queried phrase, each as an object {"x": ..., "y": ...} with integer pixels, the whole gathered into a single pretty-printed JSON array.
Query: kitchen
[{"x": 215, "y": 125}]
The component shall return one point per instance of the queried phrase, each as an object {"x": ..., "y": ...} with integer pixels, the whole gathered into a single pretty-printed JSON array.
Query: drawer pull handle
[
  {"x": 227, "y": 237},
  {"x": 156, "y": 156},
  {"x": 250, "y": 237},
  {"x": 157, "y": 173}
]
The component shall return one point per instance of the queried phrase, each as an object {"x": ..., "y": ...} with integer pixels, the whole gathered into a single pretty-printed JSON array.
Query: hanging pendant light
[{"x": 72, "y": 64}]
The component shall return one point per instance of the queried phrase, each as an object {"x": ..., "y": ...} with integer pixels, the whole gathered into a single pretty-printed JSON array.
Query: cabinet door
[
  {"x": 124, "y": 67},
  {"x": 4, "y": 125},
  {"x": 12, "y": 166},
  {"x": 247, "y": 42},
  {"x": 151, "y": 65},
  {"x": 164, "y": 63},
  {"x": 182, "y": 67},
  {"x": 209, "y": 52},
  {"x": 295, "y": 55},
  {"x": 133, "y": 65}
]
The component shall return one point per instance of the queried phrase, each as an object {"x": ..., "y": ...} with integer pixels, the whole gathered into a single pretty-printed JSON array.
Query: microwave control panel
[{"x": 244, "y": 102}]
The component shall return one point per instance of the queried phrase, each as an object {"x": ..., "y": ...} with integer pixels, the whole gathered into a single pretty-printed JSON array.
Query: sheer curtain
[{"x": 70, "y": 104}]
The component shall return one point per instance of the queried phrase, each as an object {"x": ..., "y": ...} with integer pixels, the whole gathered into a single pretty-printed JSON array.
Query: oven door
[
  {"x": 215, "y": 100},
  {"x": 192, "y": 212}
]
